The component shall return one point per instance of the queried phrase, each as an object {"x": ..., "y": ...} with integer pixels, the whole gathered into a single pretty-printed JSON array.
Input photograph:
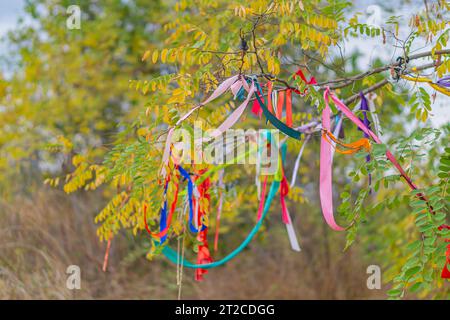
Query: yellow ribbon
[{"x": 435, "y": 86}]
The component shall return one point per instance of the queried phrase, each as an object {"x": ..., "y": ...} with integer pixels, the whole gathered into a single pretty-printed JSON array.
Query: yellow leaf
[
  {"x": 424, "y": 116},
  {"x": 172, "y": 56},
  {"x": 146, "y": 55},
  {"x": 155, "y": 56},
  {"x": 164, "y": 55},
  {"x": 142, "y": 132},
  {"x": 177, "y": 227}
]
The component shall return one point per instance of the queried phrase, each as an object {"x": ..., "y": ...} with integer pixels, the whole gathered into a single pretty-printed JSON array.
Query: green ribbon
[{"x": 274, "y": 120}]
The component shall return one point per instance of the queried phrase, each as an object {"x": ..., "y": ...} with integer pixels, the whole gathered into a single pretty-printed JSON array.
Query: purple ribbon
[
  {"x": 364, "y": 108},
  {"x": 444, "y": 82}
]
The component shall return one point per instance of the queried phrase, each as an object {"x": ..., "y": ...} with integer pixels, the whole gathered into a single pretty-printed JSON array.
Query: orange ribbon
[
  {"x": 350, "y": 148},
  {"x": 269, "y": 96},
  {"x": 280, "y": 104},
  {"x": 289, "y": 108}
]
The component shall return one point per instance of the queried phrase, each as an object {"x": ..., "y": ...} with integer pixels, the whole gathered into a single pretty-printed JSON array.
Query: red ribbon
[
  {"x": 445, "y": 272},
  {"x": 219, "y": 212},
  {"x": 284, "y": 190},
  {"x": 203, "y": 255},
  {"x": 256, "y": 108},
  {"x": 173, "y": 206},
  {"x": 311, "y": 81},
  {"x": 262, "y": 201}
]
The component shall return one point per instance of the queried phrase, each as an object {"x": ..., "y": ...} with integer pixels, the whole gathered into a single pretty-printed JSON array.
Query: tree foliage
[{"x": 99, "y": 103}]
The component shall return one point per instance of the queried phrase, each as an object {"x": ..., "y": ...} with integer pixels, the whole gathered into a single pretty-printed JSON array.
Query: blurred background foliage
[{"x": 85, "y": 110}]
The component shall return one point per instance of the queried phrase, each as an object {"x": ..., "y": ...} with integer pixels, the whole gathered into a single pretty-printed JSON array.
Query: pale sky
[{"x": 9, "y": 13}]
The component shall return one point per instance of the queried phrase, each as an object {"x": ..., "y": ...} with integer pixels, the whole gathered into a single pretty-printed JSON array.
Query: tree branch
[
  {"x": 372, "y": 88},
  {"x": 350, "y": 80},
  {"x": 385, "y": 81},
  {"x": 366, "y": 91}
]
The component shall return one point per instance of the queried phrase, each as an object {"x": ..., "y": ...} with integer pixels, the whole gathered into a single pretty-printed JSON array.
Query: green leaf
[
  {"x": 414, "y": 245},
  {"x": 412, "y": 271},
  {"x": 394, "y": 292},
  {"x": 415, "y": 287}
]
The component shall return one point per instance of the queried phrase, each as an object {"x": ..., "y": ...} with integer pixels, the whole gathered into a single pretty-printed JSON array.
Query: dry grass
[{"x": 40, "y": 236}]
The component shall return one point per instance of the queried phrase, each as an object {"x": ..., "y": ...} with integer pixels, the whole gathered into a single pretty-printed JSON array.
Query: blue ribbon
[
  {"x": 187, "y": 177},
  {"x": 163, "y": 212}
]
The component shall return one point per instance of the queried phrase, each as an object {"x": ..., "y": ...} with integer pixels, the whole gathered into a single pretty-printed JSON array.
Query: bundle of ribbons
[{"x": 276, "y": 106}]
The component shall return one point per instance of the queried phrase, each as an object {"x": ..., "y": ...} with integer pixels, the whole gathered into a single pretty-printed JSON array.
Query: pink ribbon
[
  {"x": 325, "y": 183},
  {"x": 237, "y": 113},
  {"x": 326, "y": 193},
  {"x": 345, "y": 110},
  {"x": 235, "y": 87},
  {"x": 224, "y": 86}
]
